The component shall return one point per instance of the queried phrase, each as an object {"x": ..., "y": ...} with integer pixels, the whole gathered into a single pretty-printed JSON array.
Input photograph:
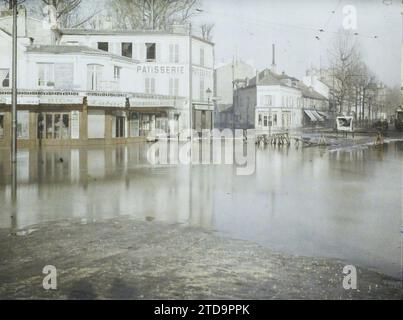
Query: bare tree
[
  {"x": 207, "y": 31},
  {"x": 152, "y": 14},
  {"x": 344, "y": 60}
]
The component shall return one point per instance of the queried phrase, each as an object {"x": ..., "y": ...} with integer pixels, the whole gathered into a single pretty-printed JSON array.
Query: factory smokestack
[{"x": 273, "y": 63}]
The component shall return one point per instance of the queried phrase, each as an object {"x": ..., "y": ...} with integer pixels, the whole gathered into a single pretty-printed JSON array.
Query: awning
[
  {"x": 314, "y": 116},
  {"x": 317, "y": 115},
  {"x": 310, "y": 115}
]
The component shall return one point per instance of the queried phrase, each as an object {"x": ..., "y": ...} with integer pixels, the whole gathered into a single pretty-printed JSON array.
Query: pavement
[{"x": 129, "y": 259}]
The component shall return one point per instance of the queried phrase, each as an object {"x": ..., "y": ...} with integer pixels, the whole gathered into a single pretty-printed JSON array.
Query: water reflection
[{"x": 307, "y": 201}]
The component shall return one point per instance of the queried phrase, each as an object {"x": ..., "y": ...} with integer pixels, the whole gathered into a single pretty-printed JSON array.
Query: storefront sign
[
  {"x": 24, "y": 100},
  {"x": 151, "y": 103},
  {"x": 160, "y": 69},
  {"x": 75, "y": 125},
  {"x": 118, "y": 102},
  {"x": 56, "y": 99}
]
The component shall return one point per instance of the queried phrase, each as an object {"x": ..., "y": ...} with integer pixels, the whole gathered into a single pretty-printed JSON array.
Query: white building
[
  {"x": 272, "y": 102},
  {"x": 102, "y": 85}
]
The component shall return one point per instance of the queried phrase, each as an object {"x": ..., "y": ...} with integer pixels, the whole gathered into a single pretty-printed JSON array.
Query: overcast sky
[{"x": 247, "y": 28}]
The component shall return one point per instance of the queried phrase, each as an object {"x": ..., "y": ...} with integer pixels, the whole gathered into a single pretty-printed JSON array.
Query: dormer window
[
  {"x": 151, "y": 52},
  {"x": 4, "y": 78},
  {"x": 104, "y": 46},
  {"x": 127, "y": 49},
  {"x": 46, "y": 75}
]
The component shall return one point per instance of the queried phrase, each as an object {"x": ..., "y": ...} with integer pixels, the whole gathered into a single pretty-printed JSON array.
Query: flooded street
[{"x": 343, "y": 204}]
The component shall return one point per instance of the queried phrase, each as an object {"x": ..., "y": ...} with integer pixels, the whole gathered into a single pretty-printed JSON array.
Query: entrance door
[{"x": 120, "y": 127}]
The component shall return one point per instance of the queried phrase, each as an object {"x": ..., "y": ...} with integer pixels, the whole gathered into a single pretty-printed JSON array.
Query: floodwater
[{"x": 343, "y": 204}]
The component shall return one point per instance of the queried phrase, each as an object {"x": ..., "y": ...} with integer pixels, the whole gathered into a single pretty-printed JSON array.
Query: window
[
  {"x": 94, "y": 76},
  {"x": 265, "y": 123},
  {"x": 202, "y": 57},
  {"x": 174, "y": 87},
  {"x": 275, "y": 119},
  {"x": 120, "y": 127},
  {"x": 151, "y": 52},
  {"x": 134, "y": 126},
  {"x": 1, "y": 126},
  {"x": 46, "y": 75},
  {"x": 174, "y": 53},
  {"x": 267, "y": 100},
  {"x": 127, "y": 49},
  {"x": 149, "y": 85},
  {"x": 116, "y": 72},
  {"x": 54, "y": 126},
  {"x": 23, "y": 124},
  {"x": 104, "y": 46},
  {"x": 202, "y": 89},
  {"x": 260, "y": 120},
  {"x": 4, "y": 78}
]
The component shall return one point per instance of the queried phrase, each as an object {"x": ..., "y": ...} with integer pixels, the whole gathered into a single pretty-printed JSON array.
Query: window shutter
[
  {"x": 176, "y": 53},
  {"x": 171, "y": 87},
  {"x": 147, "y": 85},
  {"x": 171, "y": 53}
]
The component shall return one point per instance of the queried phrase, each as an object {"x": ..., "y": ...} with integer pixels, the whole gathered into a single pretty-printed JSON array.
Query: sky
[{"x": 248, "y": 28}]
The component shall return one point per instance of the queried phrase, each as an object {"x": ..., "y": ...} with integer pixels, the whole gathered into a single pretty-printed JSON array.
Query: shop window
[
  {"x": 127, "y": 49},
  {"x": 1, "y": 126},
  {"x": 46, "y": 75},
  {"x": 54, "y": 126},
  {"x": 4, "y": 78},
  {"x": 151, "y": 52},
  {"x": 104, "y": 46},
  {"x": 120, "y": 127},
  {"x": 23, "y": 124},
  {"x": 134, "y": 124}
]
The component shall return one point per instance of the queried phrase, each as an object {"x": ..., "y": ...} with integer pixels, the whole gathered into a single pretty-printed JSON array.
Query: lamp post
[
  {"x": 209, "y": 93},
  {"x": 14, "y": 86}
]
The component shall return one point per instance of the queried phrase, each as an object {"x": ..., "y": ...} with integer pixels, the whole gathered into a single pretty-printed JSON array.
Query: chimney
[{"x": 273, "y": 63}]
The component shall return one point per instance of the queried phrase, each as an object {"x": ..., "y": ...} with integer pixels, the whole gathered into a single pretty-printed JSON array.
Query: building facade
[
  {"x": 103, "y": 86},
  {"x": 272, "y": 102}
]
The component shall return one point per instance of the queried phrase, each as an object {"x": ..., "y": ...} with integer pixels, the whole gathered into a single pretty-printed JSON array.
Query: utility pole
[
  {"x": 190, "y": 82},
  {"x": 14, "y": 87}
]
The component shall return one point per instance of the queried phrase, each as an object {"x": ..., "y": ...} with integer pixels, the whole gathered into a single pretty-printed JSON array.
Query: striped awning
[{"x": 314, "y": 116}]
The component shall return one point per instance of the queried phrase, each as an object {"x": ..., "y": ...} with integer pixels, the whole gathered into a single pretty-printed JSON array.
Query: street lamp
[
  {"x": 209, "y": 94},
  {"x": 14, "y": 86}
]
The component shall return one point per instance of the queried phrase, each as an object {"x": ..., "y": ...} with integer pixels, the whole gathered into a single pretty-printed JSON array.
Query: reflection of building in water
[
  {"x": 94, "y": 183},
  {"x": 100, "y": 86}
]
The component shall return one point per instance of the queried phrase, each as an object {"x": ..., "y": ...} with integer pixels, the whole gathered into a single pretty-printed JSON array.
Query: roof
[
  {"x": 309, "y": 92},
  {"x": 269, "y": 78},
  {"x": 73, "y": 49},
  {"x": 86, "y": 32}
]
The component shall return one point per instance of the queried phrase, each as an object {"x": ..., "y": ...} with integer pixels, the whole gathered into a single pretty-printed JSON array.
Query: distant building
[
  {"x": 225, "y": 77},
  {"x": 101, "y": 86},
  {"x": 272, "y": 102}
]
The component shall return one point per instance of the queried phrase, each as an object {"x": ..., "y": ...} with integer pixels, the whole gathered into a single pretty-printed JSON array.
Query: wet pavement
[{"x": 338, "y": 203}]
